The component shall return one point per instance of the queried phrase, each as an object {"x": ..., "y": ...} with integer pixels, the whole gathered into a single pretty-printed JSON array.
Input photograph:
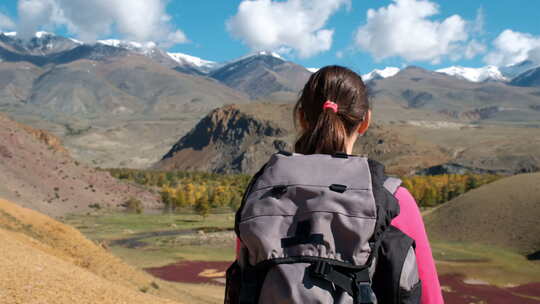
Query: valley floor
[{"x": 193, "y": 252}]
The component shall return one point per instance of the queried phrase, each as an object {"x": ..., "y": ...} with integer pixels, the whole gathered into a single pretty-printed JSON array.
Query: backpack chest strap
[{"x": 357, "y": 283}]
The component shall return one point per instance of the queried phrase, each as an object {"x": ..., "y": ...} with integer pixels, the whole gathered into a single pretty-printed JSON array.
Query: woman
[{"x": 332, "y": 111}]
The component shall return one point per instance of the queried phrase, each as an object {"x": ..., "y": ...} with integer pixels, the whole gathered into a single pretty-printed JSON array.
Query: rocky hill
[
  {"x": 240, "y": 138},
  {"x": 226, "y": 140},
  {"x": 504, "y": 213},
  {"x": 38, "y": 173},
  {"x": 45, "y": 261}
]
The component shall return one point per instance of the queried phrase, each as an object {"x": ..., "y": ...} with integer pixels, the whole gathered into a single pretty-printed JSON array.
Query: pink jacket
[{"x": 410, "y": 222}]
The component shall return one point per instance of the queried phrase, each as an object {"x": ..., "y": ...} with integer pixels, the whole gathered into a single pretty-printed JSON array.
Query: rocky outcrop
[
  {"x": 481, "y": 113},
  {"x": 226, "y": 140}
]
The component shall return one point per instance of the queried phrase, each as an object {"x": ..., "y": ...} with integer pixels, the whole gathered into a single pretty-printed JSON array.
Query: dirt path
[{"x": 135, "y": 241}]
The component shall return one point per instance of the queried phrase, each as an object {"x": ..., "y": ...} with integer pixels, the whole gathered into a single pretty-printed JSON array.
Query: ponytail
[
  {"x": 327, "y": 136},
  {"x": 325, "y": 130}
]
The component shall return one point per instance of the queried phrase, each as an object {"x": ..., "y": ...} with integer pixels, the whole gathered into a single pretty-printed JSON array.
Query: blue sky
[{"x": 472, "y": 27}]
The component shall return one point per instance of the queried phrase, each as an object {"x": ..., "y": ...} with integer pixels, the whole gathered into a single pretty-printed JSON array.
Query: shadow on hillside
[{"x": 534, "y": 256}]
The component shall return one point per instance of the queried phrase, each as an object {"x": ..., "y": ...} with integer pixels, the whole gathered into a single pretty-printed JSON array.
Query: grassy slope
[
  {"x": 161, "y": 250},
  {"x": 58, "y": 263},
  {"x": 504, "y": 214}
]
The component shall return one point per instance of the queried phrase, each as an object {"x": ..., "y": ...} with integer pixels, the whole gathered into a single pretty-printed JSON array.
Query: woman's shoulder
[{"x": 409, "y": 212}]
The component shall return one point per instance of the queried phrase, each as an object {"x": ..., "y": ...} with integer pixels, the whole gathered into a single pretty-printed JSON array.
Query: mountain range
[{"x": 120, "y": 103}]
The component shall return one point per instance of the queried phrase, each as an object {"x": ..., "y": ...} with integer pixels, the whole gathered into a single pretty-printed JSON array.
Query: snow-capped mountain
[
  {"x": 487, "y": 73},
  {"x": 145, "y": 47},
  {"x": 199, "y": 63},
  {"x": 380, "y": 74},
  {"x": 41, "y": 44}
]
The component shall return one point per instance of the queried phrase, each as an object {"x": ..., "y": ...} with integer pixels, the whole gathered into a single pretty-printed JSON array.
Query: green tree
[{"x": 202, "y": 207}]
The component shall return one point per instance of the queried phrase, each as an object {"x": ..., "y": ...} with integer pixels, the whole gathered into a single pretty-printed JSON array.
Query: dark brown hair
[{"x": 326, "y": 131}]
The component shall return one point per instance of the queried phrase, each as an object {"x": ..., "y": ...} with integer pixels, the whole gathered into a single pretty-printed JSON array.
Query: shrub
[{"x": 134, "y": 205}]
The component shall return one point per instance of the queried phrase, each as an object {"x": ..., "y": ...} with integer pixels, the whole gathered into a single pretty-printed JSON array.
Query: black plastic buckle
[
  {"x": 279, "y": 190},
  {"x": 338, "y": 188},
  {"x": 320, "y": 269},
  {"x": 286, "y": 153},
  {"x": 340, "y": 155}
]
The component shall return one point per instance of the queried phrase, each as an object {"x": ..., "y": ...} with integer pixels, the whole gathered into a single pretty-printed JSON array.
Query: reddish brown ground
[
  {"x": 462, "y": 293},
  {"x": 192, "y": 272},
  {"x": 459, "y": 292}
]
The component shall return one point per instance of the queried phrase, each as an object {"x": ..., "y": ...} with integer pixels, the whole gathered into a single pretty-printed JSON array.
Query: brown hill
[
  {"x": 504, "y": 213},
  {"x": 128, "y": 84},
  {"x": 414, "y": 87},
  {"x": 264, "y": 76},
  {"x": 38, "y": 173},
  {"x": 240, "y": 138},
  {"x": 44, "y": 261},
  {"x": 16, "y": 80}
]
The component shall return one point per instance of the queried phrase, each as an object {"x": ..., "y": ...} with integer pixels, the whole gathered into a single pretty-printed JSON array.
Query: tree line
[
  {"x": 203, "y": 192},
  {"x": 199, "y": 191},
  {"x": 433, "y": 190}
]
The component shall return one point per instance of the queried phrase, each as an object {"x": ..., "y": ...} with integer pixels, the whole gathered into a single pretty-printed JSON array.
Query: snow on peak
[
  {"x": 194, "y": 61},
  {"x": 312, "y": 70},
  {"x": 269, "y": 53},
  {"x": 130, "y": 45},
  {"x": 42, "y": 34},
  {"x": 489, "y": 72},
  {"x": 384, "y": 73}
]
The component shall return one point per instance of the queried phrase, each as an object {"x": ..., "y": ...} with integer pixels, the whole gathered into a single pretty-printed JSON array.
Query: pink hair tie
[{"x": 330, "y": 104}]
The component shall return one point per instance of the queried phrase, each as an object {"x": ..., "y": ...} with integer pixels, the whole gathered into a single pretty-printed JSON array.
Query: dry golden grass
[{"x": 44, "y": 261}]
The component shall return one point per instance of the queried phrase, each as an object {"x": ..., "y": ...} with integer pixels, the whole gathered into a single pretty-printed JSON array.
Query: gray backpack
[{"x": 316, "y": 229}]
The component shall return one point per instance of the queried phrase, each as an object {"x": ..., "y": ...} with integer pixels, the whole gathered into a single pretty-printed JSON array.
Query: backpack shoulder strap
[{"x": 383, "y": 189}]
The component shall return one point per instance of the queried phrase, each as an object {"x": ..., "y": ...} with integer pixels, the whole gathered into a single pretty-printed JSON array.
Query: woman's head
[{"x": 325, "y": 130}]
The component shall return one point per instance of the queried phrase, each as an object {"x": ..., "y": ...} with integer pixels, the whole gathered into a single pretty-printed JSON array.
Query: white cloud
[
  {"x": 405, "y": 29},
  {"x": 514, "y": 47},
  {"x": 294, "y": 24},
  {"x": 474, "y": 48},
  {"x": 6, "y": 23},
  {"x": 89, "y": 20}
]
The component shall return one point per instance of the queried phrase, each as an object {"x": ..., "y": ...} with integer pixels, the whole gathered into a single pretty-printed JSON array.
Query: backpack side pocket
[
  {"x": 410, "y": 287},
  {"x": 396, "y": 279}
]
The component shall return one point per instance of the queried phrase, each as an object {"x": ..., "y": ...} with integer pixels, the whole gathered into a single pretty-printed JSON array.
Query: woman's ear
[{"x": 364, "y": 125}]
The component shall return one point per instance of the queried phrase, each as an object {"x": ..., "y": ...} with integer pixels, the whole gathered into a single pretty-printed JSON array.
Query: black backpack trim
[{"x": 392, "y": 254}]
